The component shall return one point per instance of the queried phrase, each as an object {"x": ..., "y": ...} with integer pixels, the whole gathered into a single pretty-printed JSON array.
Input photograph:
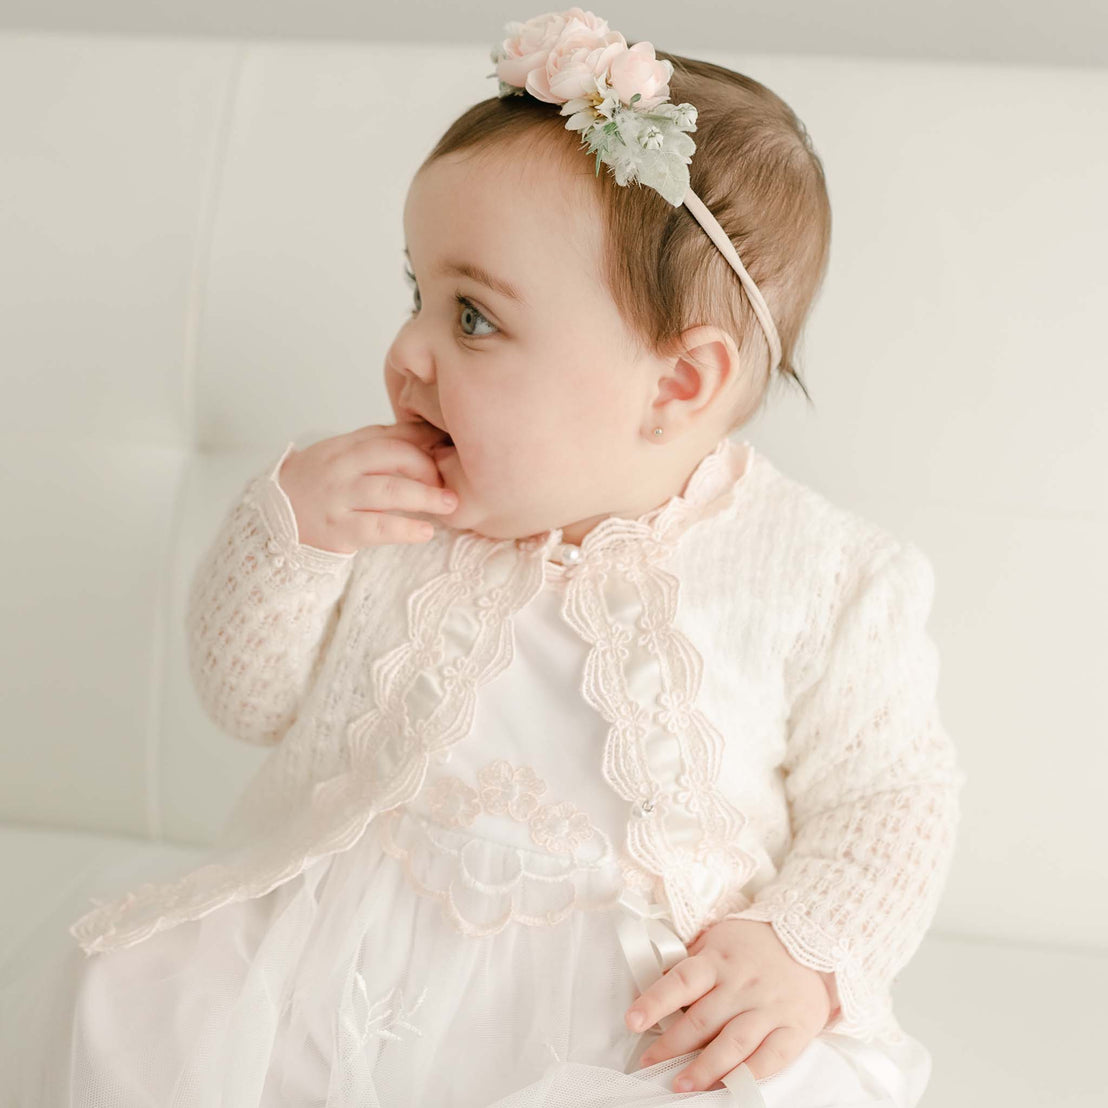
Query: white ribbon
[
  {"x": 652, "y": 948},
  {"x": 884, "y": 1070}
]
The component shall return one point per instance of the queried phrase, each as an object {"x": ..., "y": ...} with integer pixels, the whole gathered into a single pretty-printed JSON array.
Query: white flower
[{"x": 685, "y": 117}]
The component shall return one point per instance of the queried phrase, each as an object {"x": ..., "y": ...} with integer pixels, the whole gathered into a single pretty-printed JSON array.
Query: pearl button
[
  {"x": 644, "y": 809},
  {"x": 569, "y": 553},
  {"x": 273, "y": 546}
]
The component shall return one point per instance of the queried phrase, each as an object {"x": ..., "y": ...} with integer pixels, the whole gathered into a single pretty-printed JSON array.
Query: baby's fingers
[
  {"x": 379, "y": 496},
  {"x": 680, "y": 986},
  {"x": 744, "y": 1039},
  {"x": 393, "y": 492},
  {"x": 695, "y": 1029},
  {"x": 778, "y": 1049}
]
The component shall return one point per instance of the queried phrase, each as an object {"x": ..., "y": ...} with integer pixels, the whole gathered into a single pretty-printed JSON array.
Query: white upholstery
[{"x": 200, "y": 258}]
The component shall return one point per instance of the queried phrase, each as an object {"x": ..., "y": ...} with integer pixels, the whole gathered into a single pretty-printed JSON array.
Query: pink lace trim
[
  {"x": 683, "y": 829},
  {"x": 572, "y": 868},
  {"x": 514, "y": 791},
  {"x": 862, "y": 1011},
  {"x": 389, "y": 748}
]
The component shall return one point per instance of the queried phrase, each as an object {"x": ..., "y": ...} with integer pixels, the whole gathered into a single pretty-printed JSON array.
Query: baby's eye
[
  {"x": 415, "y": 289},
  {"x": 469, "y": 310}
]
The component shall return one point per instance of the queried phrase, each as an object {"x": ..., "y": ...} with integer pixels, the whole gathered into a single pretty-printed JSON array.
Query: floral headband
[{"x": 616, "y": 96}]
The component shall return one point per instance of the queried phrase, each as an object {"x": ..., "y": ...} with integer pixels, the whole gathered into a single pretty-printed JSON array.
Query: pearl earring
[{"x": 657, "y": 431}]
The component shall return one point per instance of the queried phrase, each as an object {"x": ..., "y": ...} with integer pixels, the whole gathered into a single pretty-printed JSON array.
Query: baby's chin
[
  {"x": 468, "y": 516},
  {"x": 491, "y": 521}
]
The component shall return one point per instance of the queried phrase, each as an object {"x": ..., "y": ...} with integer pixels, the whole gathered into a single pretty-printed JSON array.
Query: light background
[{"x": 1065, "y": 32}]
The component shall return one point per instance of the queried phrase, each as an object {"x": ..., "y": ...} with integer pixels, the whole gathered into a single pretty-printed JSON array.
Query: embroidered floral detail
[
  {"x": 483, "y": 885},
  {"x": 631, "y": 722},
  {"x": 561, "y": 828},
  {"x": 515, "y": 791},
  {"x": 614, "y": 644},
  {"x": 676, "y": 710},
  {"x": 686, "y": 789},
  {"x": 458, "y": 674},
  {"x": 427, "y": 653},
  {"x": 377, "y": 1020},
  {"x": 452, "y": 802},
  {"x": 638, "y": 879}
]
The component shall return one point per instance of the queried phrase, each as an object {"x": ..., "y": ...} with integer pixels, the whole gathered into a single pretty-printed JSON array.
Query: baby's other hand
[
  {"x": 345, "y": 491},
  {"x": 751, "y": 1001}
]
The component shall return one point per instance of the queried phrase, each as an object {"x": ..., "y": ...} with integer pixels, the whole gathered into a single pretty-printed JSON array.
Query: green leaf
[{"x": 669, "y": 176}]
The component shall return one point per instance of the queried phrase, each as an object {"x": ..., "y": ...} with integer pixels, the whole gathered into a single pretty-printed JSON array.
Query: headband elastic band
[{"x": 757, "y": 301}]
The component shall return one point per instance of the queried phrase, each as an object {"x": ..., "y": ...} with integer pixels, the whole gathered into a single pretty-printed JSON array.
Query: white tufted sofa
[{"x": 200, "y": 258}]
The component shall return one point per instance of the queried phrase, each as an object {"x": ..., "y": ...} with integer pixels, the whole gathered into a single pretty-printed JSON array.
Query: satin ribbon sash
[{"x": 652, "y": 948}]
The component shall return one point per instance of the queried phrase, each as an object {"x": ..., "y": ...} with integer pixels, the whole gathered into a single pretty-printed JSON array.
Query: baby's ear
[
  {"x": 682, "y": 380},
  {"x": 705, "y": 367}
]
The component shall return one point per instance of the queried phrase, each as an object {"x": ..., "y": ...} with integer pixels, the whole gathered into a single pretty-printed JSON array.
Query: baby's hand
[
  {"x": 751, "y": 1002},
  {"x": 344, "y": 490}
]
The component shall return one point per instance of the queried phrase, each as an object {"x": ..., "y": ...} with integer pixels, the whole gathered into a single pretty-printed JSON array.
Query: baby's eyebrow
[{"x": 453, "y": 268}]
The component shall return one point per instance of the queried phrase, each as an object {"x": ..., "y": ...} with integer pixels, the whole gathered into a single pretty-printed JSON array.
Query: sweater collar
[{"x": 712, "y": 486}]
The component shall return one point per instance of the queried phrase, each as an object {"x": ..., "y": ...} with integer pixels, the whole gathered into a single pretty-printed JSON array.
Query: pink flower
[
  {"x": 561, "y": 828},
  {"x": 529, "y": 44},
  {"x": 638, "y": 70},
  {"x": 573, "y": 66}
]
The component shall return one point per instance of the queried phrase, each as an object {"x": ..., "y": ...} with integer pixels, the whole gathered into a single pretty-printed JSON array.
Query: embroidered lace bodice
[
  {"x": 728, "y": 705},
  {"x": 531, "y": 784}
]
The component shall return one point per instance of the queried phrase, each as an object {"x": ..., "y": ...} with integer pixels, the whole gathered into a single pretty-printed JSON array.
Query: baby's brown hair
[{"x": 756, "y": 170}]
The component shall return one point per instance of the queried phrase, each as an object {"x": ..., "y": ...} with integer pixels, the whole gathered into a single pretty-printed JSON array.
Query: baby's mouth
[{"x": 444, "y": 440}]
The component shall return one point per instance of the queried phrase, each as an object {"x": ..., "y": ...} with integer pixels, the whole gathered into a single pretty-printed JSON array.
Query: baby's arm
[
  {"x": 872, "y": 785},
  {"x": 261, "y": 610}
]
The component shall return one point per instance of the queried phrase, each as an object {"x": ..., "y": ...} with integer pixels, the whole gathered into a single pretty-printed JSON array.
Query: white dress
[{"x": 462, "y": 953}]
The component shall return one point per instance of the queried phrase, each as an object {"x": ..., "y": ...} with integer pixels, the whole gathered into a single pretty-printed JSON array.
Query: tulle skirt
[{"x": 348, "y": 987}]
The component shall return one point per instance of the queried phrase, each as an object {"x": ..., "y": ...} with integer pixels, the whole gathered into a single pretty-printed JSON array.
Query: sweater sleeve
[
  {"x": 261, "y": 610},
  {"x": 872, "y": 785}
]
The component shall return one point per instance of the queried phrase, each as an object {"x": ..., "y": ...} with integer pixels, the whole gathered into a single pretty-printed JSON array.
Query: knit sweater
[{"x": 760, "y": 657}]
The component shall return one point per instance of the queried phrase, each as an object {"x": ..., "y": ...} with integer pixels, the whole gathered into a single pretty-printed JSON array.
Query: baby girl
[{"x": 605, "y": 761}]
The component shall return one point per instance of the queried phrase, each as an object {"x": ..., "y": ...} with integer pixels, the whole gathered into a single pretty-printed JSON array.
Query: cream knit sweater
[{"x": 759, "y": 655}]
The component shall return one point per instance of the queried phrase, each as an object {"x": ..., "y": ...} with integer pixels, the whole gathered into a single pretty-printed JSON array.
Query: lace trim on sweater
[
  {"x": 390, "y": 746},
  {"x": 459, "y": 637},
  {"x": 663, "y": 755}
]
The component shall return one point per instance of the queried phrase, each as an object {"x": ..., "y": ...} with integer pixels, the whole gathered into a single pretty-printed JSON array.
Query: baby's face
[{"x": 532, "y": 374}]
